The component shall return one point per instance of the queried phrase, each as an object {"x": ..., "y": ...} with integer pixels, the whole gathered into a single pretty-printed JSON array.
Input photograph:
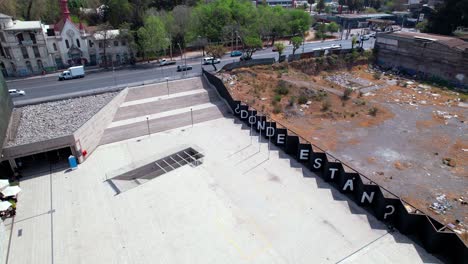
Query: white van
[{"x": 209, "y": 60}]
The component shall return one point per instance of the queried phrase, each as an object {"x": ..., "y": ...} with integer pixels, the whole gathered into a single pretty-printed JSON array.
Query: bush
[
  {"x": 291, "y": 100},
  {"x": 325, "y": 105},
  {"x": 277, "y": 98},
  {"x": 373, "y": 111},
  {"x": 360, "y": 102},
  {"x": 320, "y": 95},
  {"x": 277, "y": 109},
  {"x": 282, "y": 90},
  {"x": 347, "y": 93},
  {"x": 302, "y": 99}
]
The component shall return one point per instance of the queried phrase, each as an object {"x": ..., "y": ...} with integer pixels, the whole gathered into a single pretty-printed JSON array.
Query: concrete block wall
[{"x": 88, "y": 136}]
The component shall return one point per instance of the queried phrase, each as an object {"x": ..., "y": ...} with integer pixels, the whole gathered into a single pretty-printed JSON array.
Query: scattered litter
[
  {"x": 309, "y": 103},
  {"x": 441, "y": 206},
  {"x": 263, "y": 98}
]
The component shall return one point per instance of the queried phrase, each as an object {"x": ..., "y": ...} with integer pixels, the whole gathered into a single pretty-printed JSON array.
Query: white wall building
[{"x": 30, "y": 47}]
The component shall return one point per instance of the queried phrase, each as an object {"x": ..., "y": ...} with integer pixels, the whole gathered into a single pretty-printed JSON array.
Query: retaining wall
[
  {"x": 384, "y": 205},
  {"x": 88, "y": 136}
]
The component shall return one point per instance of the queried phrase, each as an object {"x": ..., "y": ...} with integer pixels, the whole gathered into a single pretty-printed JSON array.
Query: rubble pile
[
  {"x": 55, "y": 119},
  {"x": 348, "y": 80}
]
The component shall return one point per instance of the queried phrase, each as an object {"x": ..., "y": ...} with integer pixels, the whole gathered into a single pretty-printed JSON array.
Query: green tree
[
  {"x": 152, "y": 36},
  {"x": 117, "y": 11},
  {"x": 320, "y": 5},
  {"x": 208, "y": 20},
  {"x": 448, "y": 16},
  {"x": 251, "y": 44},
  {"x": 103, "y": 34},
  {"x": 215, "y": 51},
  {"x": 353, "y": 42},
  {"x": 296, "y": 42},
  {"x": 333, "y": 27},
  {"x": 280, "y": 48},
  {"x": 127, "y": 35},
  {"x": 298, "y": 22},
  {"x": 422, "y": 26}
]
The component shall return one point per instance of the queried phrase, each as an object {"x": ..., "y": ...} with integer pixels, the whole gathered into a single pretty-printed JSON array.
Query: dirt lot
[{"x": 409, "y": 137}]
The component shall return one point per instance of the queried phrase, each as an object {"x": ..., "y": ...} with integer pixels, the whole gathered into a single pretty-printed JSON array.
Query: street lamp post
[{"x": 167, "y": 85}]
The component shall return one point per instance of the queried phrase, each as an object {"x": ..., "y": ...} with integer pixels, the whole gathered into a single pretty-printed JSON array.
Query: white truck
[{"x": 72, "y": 73}]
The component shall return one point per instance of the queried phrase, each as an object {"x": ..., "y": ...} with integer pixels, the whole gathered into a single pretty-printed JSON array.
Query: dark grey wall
[{"x": 6, "y": 105}]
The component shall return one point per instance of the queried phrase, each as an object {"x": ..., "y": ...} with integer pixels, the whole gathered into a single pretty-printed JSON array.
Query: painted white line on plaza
[
  {"x": 163, "y": 97},
  {"x": 160, "y": 115}
]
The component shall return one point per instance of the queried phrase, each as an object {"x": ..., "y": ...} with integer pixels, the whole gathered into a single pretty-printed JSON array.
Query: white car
[
  {"x": 336, "y": 46},
  {"x": 210, "y": 60},
  {"x": 16, "y": 92}
]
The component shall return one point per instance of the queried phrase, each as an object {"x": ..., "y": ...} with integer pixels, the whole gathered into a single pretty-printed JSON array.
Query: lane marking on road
[
  {"x": 163, "y": 97},
  {"x": 160, "y": 115}
]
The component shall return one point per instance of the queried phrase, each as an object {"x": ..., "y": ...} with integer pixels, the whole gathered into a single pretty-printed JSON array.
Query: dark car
[
  {"x": 236, "y": 53},
  {"x": 184, "y": 68}
]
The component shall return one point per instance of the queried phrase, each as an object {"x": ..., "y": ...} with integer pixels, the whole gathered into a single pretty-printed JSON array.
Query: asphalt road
[{"x": 47, "y": 86}]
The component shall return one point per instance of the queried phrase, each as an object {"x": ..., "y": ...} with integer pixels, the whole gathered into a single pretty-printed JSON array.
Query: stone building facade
[
  {"x": 30, "y": 47},
  {"x": 427, "y": 55}
]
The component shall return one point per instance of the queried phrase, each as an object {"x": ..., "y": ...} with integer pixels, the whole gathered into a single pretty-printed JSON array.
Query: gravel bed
[{"x": 56, "y": 119}]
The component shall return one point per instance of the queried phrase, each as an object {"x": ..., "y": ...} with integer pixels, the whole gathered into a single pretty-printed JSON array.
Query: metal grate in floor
[{"x": 138, "y": 176}]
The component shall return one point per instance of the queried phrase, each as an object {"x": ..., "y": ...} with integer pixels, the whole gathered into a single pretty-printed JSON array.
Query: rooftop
[
  {"x": 452, "y": 42},
  {"x": 377, "y": 15},
  {"x": 241, "y": 205},
  {"x": 24, "y": 25},
  {"x": 35, "y": 123}
]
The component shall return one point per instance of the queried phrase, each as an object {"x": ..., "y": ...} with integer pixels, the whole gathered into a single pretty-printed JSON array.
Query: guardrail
[{"x": 384, "y": 204}]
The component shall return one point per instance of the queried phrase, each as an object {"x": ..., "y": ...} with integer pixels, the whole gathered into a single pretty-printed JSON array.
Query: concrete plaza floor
[{"x": 240, "y": 206}]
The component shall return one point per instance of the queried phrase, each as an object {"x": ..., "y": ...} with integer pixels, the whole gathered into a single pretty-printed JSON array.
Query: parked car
[
  {"x": 16, "y": 92},
  {"x": 236, "y": 53},
  {"x": 336, "y": 46},
  {"x": 164, "y": 62},
  {"x": 365, "y": 37},
  {"x": 372, "y": 35},
  {"x": 184, "y": 68},
  {"x": 211, "y": 60}
]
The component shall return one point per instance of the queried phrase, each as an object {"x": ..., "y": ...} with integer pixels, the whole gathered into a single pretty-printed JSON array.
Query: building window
[
  {"x": 7, "y": 53},
  {"x": 32, "y": 37},
  {"x": 124, "y": 43},
  {"x": 116, "y": 43},
  {"x": 67, "y": 44},
  {"x": 55, "y": 46},
  {"x": 24, "y": 51},
  {"x": 40, "y": 66},
  {"x": 90, "y": 43},
  {"x": 29, "y": 66},
  {"x": 20, "y": 38},
  {"x": 2, "y": 37},
  {"x": 13, "y": 67},
  {"x": 78, "y": 43},
  {"x": 36, "y": 52},
  {"x": 100, "y": 45}
]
